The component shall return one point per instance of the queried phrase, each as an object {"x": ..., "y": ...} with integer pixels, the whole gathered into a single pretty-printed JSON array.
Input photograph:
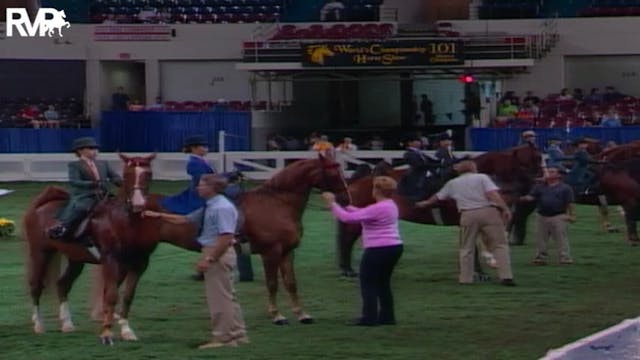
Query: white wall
[
  {"x": 586, "y": 72},
  {"x": 203, "y": 80},
  {"x": 578, "y": 37}
]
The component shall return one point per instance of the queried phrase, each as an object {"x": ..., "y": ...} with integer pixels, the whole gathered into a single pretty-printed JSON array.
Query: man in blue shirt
[
  {"x": 218, "y": 219},
  {"x": 555, "y": 155}
]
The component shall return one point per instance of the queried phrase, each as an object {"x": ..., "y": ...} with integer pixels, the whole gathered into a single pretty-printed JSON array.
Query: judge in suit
[
  {"x": 188, "y": 200},
  {"x": 88, "y": 183},
  {"x": 444, "y": 154}
]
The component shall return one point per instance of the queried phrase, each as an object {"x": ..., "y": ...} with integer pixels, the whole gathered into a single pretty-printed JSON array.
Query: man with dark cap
[
  {"x": 528, "y": 137},
  {"x": 88, "y": 180},
  {"x": 414, "y": 183}
]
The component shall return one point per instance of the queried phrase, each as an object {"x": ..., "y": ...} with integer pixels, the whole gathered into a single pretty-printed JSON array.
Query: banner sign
[
  {"x": 132, "y": 33},
  {"x": 384, "y": 53}
]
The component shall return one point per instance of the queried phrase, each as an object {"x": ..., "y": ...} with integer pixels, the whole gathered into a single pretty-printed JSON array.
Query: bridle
[{"x": 326, "y": 185}]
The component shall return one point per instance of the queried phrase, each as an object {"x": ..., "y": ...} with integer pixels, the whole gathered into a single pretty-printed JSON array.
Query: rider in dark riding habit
[
  {"x": 421, "y": 167},
  {"x": 88, "y": 182}
]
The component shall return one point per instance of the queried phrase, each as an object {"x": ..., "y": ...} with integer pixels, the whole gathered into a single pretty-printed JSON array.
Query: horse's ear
[
  {"x": 328, "y": 155},
  {"x": 151, "y": 157},
  {"x": 123, "y": 157}
]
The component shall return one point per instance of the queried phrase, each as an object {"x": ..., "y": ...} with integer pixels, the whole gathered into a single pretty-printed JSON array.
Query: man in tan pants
[
  {"x": 484, "y": 213},
  {"x": 218, "y": 221},
  {"x": 555, "y": 209}
]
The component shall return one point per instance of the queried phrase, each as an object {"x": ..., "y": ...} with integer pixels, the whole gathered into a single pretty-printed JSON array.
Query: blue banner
[
  {"x": 148, "y": 131},
  {"x": 40, "y": 140},
  {"x": 490, "y": 139}
]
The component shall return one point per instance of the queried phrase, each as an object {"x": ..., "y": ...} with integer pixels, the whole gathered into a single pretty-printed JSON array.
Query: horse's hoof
[
  {"x": 107, "y": 340},
  {"x": 282, "y": 321},
  {"x": 349, "y": 274},
  {"x": 129, "y": 336},
  {"x": 306, "y": 320},
  {"x": 38, "y": 329},
  {"x": 68, "y": 327}
]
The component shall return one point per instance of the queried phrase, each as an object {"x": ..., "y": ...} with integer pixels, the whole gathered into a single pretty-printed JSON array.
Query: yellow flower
[{"x": 4, "y": 222}]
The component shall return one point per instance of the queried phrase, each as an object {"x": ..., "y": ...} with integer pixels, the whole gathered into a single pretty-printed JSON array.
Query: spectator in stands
[
  {"x": 565, "y": 95},
  {"x": 529, "y": 96},
  {"x": 51, "y": 114},
  {"x": 611, "y": 95},
  {"x": 120, "y": 100},
  {"x": 578, "y": 95},
  {"x": 507, "y": 109},
  {"x": 472, "y": 107},
  {"x": 426, "y": 107},
  {"x": 136, "y": 106},
  {"x": 376, "y": 143},
  {"x": 310, "y": 140},
  {"x": 274, "y": 142},
  {"x": 611, "y": 118},
  {"x": 555, "y": 209},
  {"x": 594, "y": 96},
  {"x": 31, "y": 115},
  {"x": 332, "y": 11},
  {"x": 323, "y": 145},
  {"x": 511, "y": 96},
  {"x": 528, "y": 112},
  {"x": 347, "y": 145},
  {"x": 157, "y": 106}
]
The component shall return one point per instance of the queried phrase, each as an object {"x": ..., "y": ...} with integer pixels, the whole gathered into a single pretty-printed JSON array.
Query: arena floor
[{"x": 437, "y": 319}]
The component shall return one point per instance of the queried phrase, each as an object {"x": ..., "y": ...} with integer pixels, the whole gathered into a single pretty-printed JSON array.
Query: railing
[{"x": 171, "y": 166}]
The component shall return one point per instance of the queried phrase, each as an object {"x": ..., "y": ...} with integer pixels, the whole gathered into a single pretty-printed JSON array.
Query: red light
[{"x": 467, "y": 79}]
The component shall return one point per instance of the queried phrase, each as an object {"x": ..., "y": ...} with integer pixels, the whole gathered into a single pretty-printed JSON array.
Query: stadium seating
[
  {"x": 612, "y": 8},
  {"x": 509, "y": 9},
  {"x": 555, "y": 113},
  {"x": 335, "y": 31},
  {"x": 69, "y": 109},
  {"x": 186, "y": 11}
]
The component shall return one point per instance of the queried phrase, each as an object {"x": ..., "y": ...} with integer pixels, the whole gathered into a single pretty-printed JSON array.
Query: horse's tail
[{"x": 31, "y": 230}]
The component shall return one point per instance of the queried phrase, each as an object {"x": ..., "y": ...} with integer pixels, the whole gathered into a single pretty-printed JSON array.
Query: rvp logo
[{"x": 47, "y": 20}]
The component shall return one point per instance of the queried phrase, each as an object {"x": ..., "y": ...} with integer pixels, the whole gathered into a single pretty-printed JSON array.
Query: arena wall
[{"x": 579, "y": 37}]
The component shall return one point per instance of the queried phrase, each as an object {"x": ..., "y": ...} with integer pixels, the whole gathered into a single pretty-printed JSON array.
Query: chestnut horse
[
  {"x": 273, "y": 214},
  {"x": 514, "y": 169},
  {"x": 273, "y": 222},
  {"x": 125, "y": 239}
]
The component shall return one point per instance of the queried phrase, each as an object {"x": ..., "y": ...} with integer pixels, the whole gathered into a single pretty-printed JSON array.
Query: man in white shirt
[{"x": 484, "y": 213}]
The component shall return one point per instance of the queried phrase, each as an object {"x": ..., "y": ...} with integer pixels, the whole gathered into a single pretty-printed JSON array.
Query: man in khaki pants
[
  {"x": 218, "y": 219},
  {"x": 483, "y": 212},
  {"x": 555, "y": 209}
]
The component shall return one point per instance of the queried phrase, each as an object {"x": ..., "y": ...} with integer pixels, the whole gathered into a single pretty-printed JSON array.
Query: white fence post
[{"x": 221, "y": 150}]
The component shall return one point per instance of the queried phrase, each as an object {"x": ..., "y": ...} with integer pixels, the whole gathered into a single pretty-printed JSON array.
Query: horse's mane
[
  {"x": 283, "y": 179},
  {"x": 50, "y": 193}
]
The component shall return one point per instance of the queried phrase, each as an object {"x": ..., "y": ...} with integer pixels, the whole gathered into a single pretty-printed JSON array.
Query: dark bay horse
[
  {"x": 273, "y": 222},
  {"x": 514, "y": 169},
  {"x": 126, "y": 241}
]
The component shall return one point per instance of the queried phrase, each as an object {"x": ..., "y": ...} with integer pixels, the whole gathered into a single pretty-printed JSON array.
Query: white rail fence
[{"x": 171, "y": 166}]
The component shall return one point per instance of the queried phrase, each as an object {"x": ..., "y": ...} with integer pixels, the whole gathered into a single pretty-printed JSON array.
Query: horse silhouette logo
[
  {"x": 58, "y": 22},
  {"x": 317, "y": 53},
  {"x": 46, "y": 22}
]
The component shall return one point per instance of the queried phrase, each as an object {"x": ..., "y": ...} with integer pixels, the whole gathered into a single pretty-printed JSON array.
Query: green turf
[{"x": 438, "y": 319}]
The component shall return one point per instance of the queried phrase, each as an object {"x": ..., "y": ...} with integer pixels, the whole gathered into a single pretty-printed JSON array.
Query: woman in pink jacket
[{"x": 382, "y": 250}]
